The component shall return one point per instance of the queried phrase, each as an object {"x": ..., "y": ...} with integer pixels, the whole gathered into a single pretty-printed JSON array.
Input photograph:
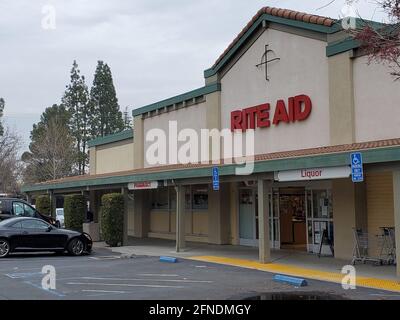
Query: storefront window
[
  {"x": 200, "y": 197},
  {"x": 160, "y": 199}
]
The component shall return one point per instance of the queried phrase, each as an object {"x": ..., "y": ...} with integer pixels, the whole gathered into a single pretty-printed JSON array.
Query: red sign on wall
[{"x": 298, "y": 108}]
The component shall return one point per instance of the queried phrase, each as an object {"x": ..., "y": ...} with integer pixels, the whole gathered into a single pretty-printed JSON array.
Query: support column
[
  {"x": 263, "y": 222},
  {"x": 29, "y": 198},
  {"x": 396, "y": 198},
  {"x": 180, "y": 218},
  {"x": 53, "y": 204},
  {"x": 125, "y": 192}
]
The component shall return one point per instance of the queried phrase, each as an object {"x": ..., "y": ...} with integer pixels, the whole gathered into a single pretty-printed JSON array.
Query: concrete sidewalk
[{"x": 288, "y": 262}]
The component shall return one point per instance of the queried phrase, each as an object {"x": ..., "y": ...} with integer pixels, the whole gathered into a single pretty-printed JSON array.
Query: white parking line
[
  {"x": 105, "y": 258},
  {"x": 155, "y": 280},
  {"x": 105, "y": 291},
  {"x": 157, "y": 275},
  {"x": 121, "y": 285}
]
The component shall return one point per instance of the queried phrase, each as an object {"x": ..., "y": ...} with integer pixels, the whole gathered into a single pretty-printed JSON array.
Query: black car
[
  {"x": 13, "y": 207},
  {"x": 32, "y": 234}
]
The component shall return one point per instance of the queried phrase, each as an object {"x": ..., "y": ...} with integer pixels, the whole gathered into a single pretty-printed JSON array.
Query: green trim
[
  {"x": 341, "y": 46},
  {"x": 178, "y": 99},
  {"x": 124, "y": 135},
  {"x": 319, "y": 161},
  {"x": 266, "y": 17}
]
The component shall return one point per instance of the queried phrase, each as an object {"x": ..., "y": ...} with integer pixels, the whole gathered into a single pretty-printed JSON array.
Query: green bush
[
  {"x": 112, "y": 218},
  {"x": 74, "y": 212},
  {"x": 43, "y": 205}
]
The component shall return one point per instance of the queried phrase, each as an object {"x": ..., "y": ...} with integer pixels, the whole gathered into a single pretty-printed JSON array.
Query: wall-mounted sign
[
  {"x": 215, "y": 176},
  {"x": 296, "y": 109},
  {"x": 146, "y": 185},
  {"x": 313, "y": 174},
  {"x": 357, "y": 168}
]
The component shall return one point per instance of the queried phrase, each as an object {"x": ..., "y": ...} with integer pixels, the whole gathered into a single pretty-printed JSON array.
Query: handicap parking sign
[
  {"x": 357, "y": 170},
  {"x": 215, "y": 175}
]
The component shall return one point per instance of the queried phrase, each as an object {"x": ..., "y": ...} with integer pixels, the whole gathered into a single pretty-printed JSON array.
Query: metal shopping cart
[
  {"x": 388, "y": 245},
  {"x": 363, "y": 241}
]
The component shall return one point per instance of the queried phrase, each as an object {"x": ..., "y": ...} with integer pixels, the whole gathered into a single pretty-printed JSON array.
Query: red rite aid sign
[{"x": 297, "y": 108}]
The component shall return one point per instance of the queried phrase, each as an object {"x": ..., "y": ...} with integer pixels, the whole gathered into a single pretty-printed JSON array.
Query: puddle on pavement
[{"x": 296, "y": 296}]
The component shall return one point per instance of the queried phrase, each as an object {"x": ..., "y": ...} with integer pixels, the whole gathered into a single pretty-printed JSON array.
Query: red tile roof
[
  {"x": 262, "y": 157},
  {"x": 282, "y": 13}
]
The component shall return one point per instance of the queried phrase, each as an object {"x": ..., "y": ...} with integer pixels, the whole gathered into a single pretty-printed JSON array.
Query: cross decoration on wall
[{"x": 265, "y": 61}]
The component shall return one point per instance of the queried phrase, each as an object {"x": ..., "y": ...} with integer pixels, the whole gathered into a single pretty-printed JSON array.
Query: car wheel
[
  {"x": 4, "y": 248},
  {"x": 76, "y": 247}
]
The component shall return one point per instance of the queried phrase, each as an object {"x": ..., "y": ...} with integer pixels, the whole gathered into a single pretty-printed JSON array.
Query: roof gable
[{"x": 282, "y": 16}]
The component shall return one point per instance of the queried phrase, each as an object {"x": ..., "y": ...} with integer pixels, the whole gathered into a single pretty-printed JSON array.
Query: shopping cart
[
  {"x": 388, "y": 245},
  {"x": 361, "y": 248}
]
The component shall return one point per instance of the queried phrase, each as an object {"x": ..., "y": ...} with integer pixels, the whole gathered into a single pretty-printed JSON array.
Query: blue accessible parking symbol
[
  {"x": 215, "y": 177},
  {"x": 357, "y": 170}
]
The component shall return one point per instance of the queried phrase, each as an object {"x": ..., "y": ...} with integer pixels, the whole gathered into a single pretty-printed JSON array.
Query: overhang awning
[{"x": 373, "y": 152}]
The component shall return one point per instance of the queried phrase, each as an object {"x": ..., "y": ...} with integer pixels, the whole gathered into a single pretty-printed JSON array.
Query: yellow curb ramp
[{"x": 291, "y": 270}]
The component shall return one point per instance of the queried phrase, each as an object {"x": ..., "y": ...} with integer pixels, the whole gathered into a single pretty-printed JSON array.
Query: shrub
[
  {"x": 43, "y": 205},
  {"x": 112, "y": 218},
  {"x": 74, "y": 212}
]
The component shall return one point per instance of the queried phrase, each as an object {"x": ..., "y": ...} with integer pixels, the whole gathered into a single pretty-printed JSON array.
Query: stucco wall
[
  {"x": 302, "y": 69},
  {"x": 376, "y": 96},
  {"x": 192, "y": 117},
  {"x": 380, "y": 205},
  {"x": 114, "y": 157}
]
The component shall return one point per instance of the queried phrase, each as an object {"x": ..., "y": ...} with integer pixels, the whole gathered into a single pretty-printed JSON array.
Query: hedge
[
  {"x": 112, "y": 218},
  {"x": 74, "y": 212},
  {"x": 43, "y": 205}
]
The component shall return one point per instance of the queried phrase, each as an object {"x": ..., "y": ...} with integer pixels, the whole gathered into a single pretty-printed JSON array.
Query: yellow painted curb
[{"x": 292, "y": 270}]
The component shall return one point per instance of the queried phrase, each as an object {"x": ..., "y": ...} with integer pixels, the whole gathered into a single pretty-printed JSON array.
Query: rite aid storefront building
[{"x": 311, "y": 98}]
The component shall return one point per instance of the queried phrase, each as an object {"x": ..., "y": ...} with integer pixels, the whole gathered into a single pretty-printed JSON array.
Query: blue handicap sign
[
  {"x": 215, "y": 176},
  {"x": 357, "y": 169}
]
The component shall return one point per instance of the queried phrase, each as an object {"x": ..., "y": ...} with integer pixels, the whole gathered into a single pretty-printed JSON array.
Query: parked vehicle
[
  {"x": 13, "y": 207},
  {"x": 35, "y": 235},
  {"x": 60, "y": 218}
]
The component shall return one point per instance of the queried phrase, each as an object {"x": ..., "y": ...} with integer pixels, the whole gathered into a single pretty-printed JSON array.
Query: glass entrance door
[
  {"x": 319, "y": 220},
  {"x": 274, "y": 221},
  {"x": 247, "y": 217}
]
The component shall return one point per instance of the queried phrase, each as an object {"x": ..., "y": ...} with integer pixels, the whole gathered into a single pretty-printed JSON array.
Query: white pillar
[
  {"x": 396, "y": 197},
  {"x": 263, "y": 222},
  {"x": 180, "y": 218}
]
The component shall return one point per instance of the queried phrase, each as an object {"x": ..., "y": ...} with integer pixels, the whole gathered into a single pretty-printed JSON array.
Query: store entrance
[
  {"x": 293, "y": 218},
  {"x": 298, "y": 218}
]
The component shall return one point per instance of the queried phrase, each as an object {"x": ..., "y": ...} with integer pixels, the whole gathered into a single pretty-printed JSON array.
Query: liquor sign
[{"x": 313, "y": 174}]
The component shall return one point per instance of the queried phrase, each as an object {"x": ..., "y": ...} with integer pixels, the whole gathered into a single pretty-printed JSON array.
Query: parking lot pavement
[{"x": 105, "y": 275}]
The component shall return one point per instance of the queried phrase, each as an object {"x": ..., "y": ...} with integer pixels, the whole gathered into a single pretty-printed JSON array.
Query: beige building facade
[{"x": 311, "y": 99}]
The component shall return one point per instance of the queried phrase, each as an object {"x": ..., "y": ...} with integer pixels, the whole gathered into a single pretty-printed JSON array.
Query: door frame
[
  {"x": 248, "y": 242},
  {"x": 276, "y": 244}
]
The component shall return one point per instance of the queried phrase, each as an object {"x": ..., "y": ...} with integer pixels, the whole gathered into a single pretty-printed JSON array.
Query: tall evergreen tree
[
  {"x": 107, "y": 117},
  {"x": 76, "y": 102},
  {"x": 1, "y": 115}
]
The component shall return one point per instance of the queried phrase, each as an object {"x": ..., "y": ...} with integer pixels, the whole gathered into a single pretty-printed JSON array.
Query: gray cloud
[{"x": 155, "y": 48}]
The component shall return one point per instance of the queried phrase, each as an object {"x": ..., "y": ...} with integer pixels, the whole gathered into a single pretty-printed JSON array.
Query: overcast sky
[{"x": 155, "y": 48}]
